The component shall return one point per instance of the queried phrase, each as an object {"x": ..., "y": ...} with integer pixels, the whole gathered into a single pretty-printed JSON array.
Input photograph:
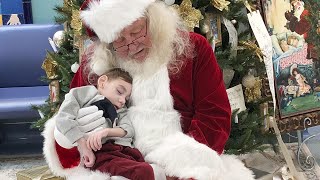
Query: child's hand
[
  {"x": 87, "y": 154},
  {"x": 94, "y": 139},
  {"x": 88, "y": 157}
]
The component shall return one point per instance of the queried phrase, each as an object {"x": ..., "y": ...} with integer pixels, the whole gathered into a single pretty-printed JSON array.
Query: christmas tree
[{"x": 235, "y": 48}]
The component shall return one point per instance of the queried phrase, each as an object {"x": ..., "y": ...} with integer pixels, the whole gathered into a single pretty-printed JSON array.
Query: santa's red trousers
[{"x": 122, "y": 161}]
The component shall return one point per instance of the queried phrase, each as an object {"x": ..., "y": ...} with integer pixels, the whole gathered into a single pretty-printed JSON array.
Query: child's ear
[{"x": 102, "y": 80}]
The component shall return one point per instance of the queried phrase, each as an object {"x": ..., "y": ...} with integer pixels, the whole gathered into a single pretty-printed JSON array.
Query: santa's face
[
  {"x": 134, "y": 41},
  {"x": 298, "y": 8}
]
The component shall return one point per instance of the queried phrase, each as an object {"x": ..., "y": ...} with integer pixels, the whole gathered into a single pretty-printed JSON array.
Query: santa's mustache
[{"x": 132, "y": 53}]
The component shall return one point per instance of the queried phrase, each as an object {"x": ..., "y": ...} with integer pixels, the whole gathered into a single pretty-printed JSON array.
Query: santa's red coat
[
  {"x": 199, "y": 96},
  {"x": 302, "y": 27}
]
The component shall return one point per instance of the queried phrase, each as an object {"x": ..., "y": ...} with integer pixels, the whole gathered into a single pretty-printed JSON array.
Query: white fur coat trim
[
  {"x": 176, "y": 154},
  {"x": 108, "y": 17},
  {"x": 49, "y": 150}
]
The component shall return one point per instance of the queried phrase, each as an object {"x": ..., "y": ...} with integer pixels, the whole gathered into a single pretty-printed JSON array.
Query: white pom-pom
[
  {"x": 233, "y": 21},
  {"x": 75, "y": 67},
  {"x": 248, "y": 81},
  {"x": 169, "y": 2}
]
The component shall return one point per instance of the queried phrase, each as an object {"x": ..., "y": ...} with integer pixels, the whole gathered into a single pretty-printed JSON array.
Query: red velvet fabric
[
  {"x": 68, "y": 158},
  {"x": 122, "y": 161},
  {"x": 199, "y": 96}
]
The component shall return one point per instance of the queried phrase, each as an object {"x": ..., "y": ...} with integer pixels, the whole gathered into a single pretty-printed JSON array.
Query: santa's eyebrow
[{"x": 138, "y": 27}]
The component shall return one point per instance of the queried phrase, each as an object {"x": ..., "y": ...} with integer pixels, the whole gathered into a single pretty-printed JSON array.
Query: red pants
[{"x": 122, "y": 161}]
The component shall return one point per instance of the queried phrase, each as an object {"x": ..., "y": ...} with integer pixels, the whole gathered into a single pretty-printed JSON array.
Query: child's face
[
  {"x": 284, "y": 45},
  {"x": 117, "y": 91}
]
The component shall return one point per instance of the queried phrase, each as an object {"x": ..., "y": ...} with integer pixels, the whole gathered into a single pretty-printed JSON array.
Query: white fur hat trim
[{"x": 108, "y": 17}]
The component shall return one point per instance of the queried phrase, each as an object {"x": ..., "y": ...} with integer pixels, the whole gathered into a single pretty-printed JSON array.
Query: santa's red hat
[{"x": 106, "y": 18}]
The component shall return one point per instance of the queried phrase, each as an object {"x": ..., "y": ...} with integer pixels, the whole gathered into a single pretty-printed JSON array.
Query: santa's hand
[
  {"x": 288, "y": 15},
  {"x": 90, "y": 118},
  {"x": 14, "y": 20},
  {"x": 94, "y": 139}
]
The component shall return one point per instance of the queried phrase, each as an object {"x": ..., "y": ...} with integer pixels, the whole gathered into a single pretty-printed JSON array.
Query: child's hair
[{"x": 116, "y": 73}]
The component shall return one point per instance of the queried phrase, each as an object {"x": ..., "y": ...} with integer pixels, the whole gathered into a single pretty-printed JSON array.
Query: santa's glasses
[{"x": 141, "y": 35}]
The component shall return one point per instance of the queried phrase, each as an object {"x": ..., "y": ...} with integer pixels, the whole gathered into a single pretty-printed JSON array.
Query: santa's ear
[{"x": 102, "y": 81}]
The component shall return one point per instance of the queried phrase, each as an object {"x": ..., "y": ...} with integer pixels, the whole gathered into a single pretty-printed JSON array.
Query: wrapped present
[{"x": 37, "y": 173}]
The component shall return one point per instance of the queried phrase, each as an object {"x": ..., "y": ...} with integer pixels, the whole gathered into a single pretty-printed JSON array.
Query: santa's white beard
[
  {"x": 147, "y": 67},
  {"x": 298, "y": 12}
]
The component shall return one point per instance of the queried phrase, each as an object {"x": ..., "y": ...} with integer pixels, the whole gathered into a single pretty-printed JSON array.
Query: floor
[
  {"x": 10, "y": 165},
  {"x": 313, "y": 143},
  {"x": 266, "y": 166}
]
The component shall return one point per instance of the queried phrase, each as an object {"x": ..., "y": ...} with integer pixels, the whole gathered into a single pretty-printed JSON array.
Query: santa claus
[
  {"x": 179, "y": 107},
  {"x": 297, "y": 22}
]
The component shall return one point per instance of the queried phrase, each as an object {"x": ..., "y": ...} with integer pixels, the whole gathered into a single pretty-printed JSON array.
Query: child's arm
[
  {"x": 66, "y": 121},
  {"x": 115, "y": 132},
  {"x": 94, "y": 140}
]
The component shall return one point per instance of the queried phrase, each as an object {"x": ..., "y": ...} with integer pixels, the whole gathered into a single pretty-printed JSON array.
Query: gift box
[{"x": 37, "y": 173}]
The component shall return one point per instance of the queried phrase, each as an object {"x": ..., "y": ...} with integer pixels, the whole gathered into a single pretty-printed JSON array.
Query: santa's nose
[{"x": 133, "y": 46}]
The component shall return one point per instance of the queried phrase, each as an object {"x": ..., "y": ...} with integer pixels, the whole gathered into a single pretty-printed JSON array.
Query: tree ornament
[
  {"x": 233, "y": 21},
  {"x": 50, "y": 67},
  {"x": 318, "y": 25},
  {"x": 58, "y": 38},
  {"x": 220, "y": 4},
  {"x": 169, "y": 2},
  {"x": 204, "y": 28},
  {"x": 228, "y": 75},
  {"x": 254, "y": 93},
  {"x": 248, "y": 81},
  {"x": 252, "y": 46},
  {"x": 190, "y": 15},
  {"x": 54, "y": 91},
  {"x": 75, "y": 67}
]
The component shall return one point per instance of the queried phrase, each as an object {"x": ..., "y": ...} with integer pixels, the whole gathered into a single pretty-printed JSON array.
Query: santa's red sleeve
[
  {"x": 211, "y": 122},
  {"x": 303, "y": 26}
]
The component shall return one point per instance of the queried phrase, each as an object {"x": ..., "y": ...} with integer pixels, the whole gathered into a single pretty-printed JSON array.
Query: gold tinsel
[
  {"x": 76, "y": 25},
  {"x": 190, "y": 15},
  {"x": 67, "y": 4},
  {"x": 220, "y": 4},
  {"x": 254, "y": 93},
  {"x": 50, "y": 67},
  {"x": 252, "y": 46}
]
